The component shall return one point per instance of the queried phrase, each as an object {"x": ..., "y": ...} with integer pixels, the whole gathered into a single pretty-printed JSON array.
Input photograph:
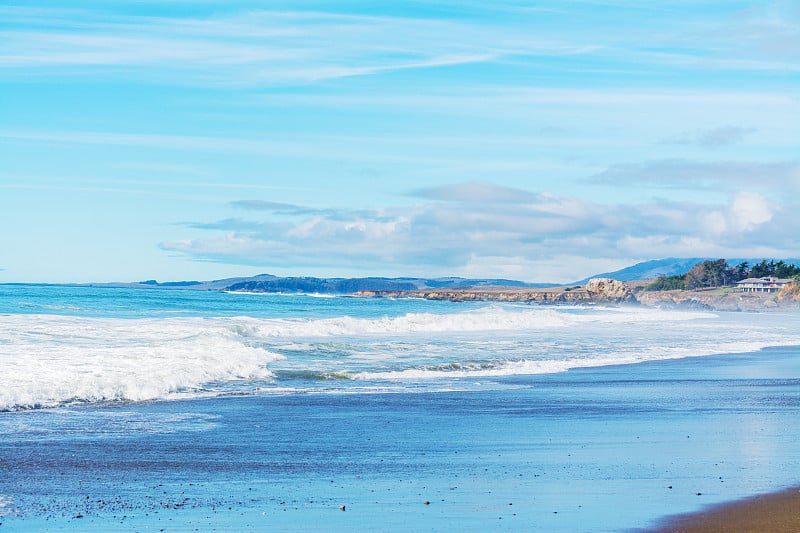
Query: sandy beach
[{"x": 776, "y": 513}]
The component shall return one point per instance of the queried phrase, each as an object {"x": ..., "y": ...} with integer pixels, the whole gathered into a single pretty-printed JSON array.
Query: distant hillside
[
  {"x": 351, "y": 285},
  {"x": 649, "y": 269},
  {"x": 270, "y": 283},
  {"x": 319, "y": 285},
  {"x": 215, "y": 285},
  {"x": 670, "y": 266}
]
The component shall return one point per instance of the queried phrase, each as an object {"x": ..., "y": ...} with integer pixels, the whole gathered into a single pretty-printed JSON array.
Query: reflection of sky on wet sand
[
  {"x": 6, "y": 505},
  {"x": 759, "y": 440},
  {"x": 74, "y": 425}
]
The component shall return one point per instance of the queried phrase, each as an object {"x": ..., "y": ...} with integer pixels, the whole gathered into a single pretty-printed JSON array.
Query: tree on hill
[
  {"x": 709, "y": 274},
  {"x": 741, "y": 271},
  {"x": 667, "y": 283},
  {"x": 762, "y": 269},
  {"x": 717, "y": 273},
  {"x": 779, "y": 269}
]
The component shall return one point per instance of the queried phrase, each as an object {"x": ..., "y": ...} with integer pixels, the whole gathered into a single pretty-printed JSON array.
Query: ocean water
[
  {"x": 62, "y": 346},
  {"x": 136, "y": 410}
]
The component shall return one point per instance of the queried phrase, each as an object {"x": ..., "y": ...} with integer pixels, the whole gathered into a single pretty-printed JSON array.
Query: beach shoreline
[
  {"x": 777, "y": 512},
  {"x": 557, "y": 452}
]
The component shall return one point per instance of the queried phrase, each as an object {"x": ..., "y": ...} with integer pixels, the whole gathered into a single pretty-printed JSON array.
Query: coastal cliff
[
  {"x": 596, "y": 291},
  {"x": 787, "y": 298},
  {"x": 605, "y": 291},
  {"x": 790, "y": 293}
]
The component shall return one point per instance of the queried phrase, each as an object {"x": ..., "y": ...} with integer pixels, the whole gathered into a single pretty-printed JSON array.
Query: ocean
[{"x": 137, "y": 409}]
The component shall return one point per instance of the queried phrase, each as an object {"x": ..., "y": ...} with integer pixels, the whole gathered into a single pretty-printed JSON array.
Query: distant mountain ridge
[
  {"x": 671, "y": 266},
  {"x": 268, "y": 283},
  {"x": 351, "y": 285}
]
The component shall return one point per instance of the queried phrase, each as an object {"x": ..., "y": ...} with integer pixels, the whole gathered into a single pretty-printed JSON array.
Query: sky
[{"x": 541, "y": 141}]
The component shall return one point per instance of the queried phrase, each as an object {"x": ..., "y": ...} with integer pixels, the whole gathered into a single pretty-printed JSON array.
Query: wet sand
[{"x": 773, "y": 513}]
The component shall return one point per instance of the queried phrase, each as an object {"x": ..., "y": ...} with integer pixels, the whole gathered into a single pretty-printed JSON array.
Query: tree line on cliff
[{"x": 717, "y": 273}]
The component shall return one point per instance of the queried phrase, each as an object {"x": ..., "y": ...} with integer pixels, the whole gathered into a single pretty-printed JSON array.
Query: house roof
[{"x": 768, "y": 279}]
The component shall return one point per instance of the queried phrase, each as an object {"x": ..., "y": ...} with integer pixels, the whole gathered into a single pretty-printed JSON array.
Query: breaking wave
[
  {"x": 56, "y": 360},
  {"x": 490, "y": 318},
  {"x": 550, "y": 366},
  {"x": 52, "y": 360}
]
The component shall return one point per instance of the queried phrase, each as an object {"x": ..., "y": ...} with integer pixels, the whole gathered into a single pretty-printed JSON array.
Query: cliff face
[
  {"x": 787, "y": 298},
  {"x": 597, "y": 291},
  {"x": 604, "y": 291},
  {"x": 483, "y": 295},
  {"x": 790, "y": 293},
  {"x": 735, "y": 301}
]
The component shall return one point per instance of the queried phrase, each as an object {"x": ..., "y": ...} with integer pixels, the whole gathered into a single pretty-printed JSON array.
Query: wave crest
[
  {"x": 490, "y": 318},
  {"x": 53, "y": 360}
]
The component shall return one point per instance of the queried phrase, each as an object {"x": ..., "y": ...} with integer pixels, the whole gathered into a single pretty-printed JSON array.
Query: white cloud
[
  {"x": 501, "y": 239},
  {"x": 715, "y": 222},
  {"x": 231, "y": 244},
  {"x": 350, "y": 228},
  {"x": 749, "y": 210}
]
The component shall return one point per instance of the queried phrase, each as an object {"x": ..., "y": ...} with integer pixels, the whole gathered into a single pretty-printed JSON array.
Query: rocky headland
[
  {"x": 596, "y": 291},
  {"x": 605, "y": 291}
]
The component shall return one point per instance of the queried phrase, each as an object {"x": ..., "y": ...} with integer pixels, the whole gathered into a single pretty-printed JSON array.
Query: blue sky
[{"x": 542, "y": 141}]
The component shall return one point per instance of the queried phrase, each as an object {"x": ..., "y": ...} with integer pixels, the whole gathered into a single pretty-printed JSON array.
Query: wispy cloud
[
  {"x": 260, "y": 47},
  {"x": 263, "y": 205},
  {"x": 713, "y": 138},
  {"x": 148, "y": 186},
  {"x": 146, "y": 140},
  {"x": 278, "y": 208},
  {"x": 771, "y": 177},
  {"x": 330, "y": 147},
  {"x": 476, "y": 192},
  {"x": 252, "y": 47},
  {"x": 161, "y": 168}
]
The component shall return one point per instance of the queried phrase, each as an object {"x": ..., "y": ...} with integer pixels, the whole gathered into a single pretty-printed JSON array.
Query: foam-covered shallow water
[{"x": 62, "y": 346}]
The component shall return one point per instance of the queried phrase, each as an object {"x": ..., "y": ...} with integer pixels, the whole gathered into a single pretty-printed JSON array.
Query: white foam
[
  {"x": 490, "y": 318},
  {"x": 52, "y": 360},
  {"x": 49, "y": 360},
  {"x": 290, "y": 294},
  {"x": 551, "y": 366}
]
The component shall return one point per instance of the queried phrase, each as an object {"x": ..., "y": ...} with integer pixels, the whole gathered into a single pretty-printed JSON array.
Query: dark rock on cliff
[
  {"x": 714, "y": 300},
  {"x": 600, "y": 291}
]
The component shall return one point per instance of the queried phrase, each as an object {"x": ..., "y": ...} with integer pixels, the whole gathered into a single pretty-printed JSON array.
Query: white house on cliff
[{"x": 766, "y": 284}]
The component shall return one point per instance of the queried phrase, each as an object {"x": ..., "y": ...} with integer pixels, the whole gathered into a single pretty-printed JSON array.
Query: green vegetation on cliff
[
  {"x": 718, "y": 273},
  {"x": 667, "y": 283}
]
